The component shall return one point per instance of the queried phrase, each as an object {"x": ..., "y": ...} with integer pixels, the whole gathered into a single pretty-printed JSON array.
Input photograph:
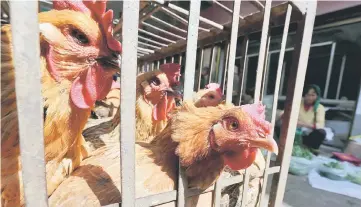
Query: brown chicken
[
  {"x": 211, "y": 95},
  {"x": 79, "y": 55},
  {"x": 223, "y": 137}
]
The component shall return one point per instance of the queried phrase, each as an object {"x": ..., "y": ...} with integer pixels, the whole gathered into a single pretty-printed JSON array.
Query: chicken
[
  {"x": 79, "y": 55},
  {"x": 154, "y": 100},
  {"x": 224, "y": 137},
  {"x": 211, "y": 95}
]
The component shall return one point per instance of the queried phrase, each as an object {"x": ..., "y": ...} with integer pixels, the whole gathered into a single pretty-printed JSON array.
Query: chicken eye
[
  {"x": 211, "y": 96},
  {"x": 232, "y": 124},
  {"x": 79, "y": 36},
  {"x": 155, "y": 81}
]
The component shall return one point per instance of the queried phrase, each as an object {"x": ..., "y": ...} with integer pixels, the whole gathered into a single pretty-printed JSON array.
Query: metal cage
[{"x": 145, "y": 54}]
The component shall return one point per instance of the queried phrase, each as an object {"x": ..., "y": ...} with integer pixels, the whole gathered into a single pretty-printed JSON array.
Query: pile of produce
[
  {"x": 333, "y": 170},
  {"x": 299, "y": 151},
  {"x": 301, "y": 160}
]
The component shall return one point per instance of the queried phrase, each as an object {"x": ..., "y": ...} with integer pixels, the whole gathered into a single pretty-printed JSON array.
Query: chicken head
[{"x": 211, "y": 95}]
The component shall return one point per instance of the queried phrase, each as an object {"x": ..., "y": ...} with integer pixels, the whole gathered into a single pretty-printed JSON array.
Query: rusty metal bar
[
  {"x": 152, "y": 41},
  {"x": 243, "y": 66},
  {"x": 156, "y": 36},
  {"x": 343, "y": 63},
  {"x": 262, "y": 51},
  {"x": 167, "y": 24},
  {"x": 149, "y": 45},
  {"x": 164, "y": 31},
  {"x": 292, "y": 105},
  {"x": 329, "y": 69},
  {"x": 25, "y": 35},
  {"x": 181, "y": 19},
  {"x": 127, "y": 112},
  {"x": 280, "y": 68},
  {"x": 191, "y": 55}
]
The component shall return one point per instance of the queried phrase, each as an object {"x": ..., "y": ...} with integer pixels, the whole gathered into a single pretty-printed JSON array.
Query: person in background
[
  {"x": 311, "y": 118},
  {"x": 204, "y": 77}
]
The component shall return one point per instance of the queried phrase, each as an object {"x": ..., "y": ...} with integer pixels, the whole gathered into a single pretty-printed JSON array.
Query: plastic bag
[
  {"x": 300, "y": 166},
  {"x": 353, "y": 173},
  {"x": 333, "y": 170}
]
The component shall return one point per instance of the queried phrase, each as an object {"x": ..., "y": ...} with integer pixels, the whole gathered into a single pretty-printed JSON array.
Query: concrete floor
[{"x": 299, "y": 193}]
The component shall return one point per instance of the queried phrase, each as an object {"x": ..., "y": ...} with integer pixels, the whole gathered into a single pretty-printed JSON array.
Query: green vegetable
[
  {"x": 299, "y": 151},
  {"x": 356, "y": 178},
  {"x": 334, "y": 165}
]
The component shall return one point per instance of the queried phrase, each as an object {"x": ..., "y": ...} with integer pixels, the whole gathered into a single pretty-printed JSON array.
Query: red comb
[
  {"x": 96, "y": 9},
  {"x": 172, "y": 71},
  {"x": 258, "y": 113},
  {"x": 216, "y": 87}
]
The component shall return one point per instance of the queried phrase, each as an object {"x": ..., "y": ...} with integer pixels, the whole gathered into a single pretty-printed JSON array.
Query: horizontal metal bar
[
  {"x": 232, "y": 180},
  {"x": 145, "y": 50},
  {"x": 257, "y": 4},
  {"x": 149, "y": 45},
  {"x": 157, "y": 36},
  {"x": 181, "y": 19},
  {"x": 26, "y": 53},
  {"x": 167, "y": 24},
  {"x": 273, "y": 170},
  {"x": 164, "y": 31},
  {"x": 202, "y": 19},
  {"x": 157, "y": 199},
  {"x": 290, "y": 49},
  {"x": 225, "y": 8},
  {"x": 152, "y": 41}
]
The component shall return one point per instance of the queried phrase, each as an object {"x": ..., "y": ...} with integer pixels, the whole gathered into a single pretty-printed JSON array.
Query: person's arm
[
  {"x": 302, "y": 124},
  {"x": 320, "y": 117}
]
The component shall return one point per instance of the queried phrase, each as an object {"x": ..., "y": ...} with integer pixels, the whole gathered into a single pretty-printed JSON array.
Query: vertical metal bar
[
  {"x": 262, "y": 51},
  {"x": 293, "y": 99},
  {"x": 158, "y": 63},
  {"x": 245, "y": 188},
  {"x": 283, "y": 77},
  {"x": 267, "y": 66},
  {"x": 243, "y": 65},
  {"x": 344, "y": 57},
  {"x": 180, "y": 59},
  {"x": 172, "y": 59},
  {"x": 329, "y": 70},
  {"x": 225, "y": 69},
  {"x": 191, "y": 55},
  {"x": 211, "y": 66},
  {"x": 25, "y": 35},
  {"x": 164, "y": 60},
  {"x": 200, "y": 70},
  {"x": 232, "y": 50},
  {"x": 275, "y": 97},
  {"x": 152, "y": 66},
  {"x": 127, "y": 112}
]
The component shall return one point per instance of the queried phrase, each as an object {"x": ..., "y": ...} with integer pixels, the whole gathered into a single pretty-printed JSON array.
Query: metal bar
[
  {"x": 232, "y": 180},
  {"x": 290, "y": 49},
  {"x": 245, "y": 188},
  {"x": 225, "y": 69},
  {"x": 202, "y": 19},
  {"x": 273, "y": 170},
  {"x": 157, "y": 36},
  {"x": 157, "y": 199},
  {"x": 164, "y": 31},
  {"x": 225, "y": 8},
  {"x": 211, "y": 66},
  {"x": 217, "y": 193},
  {"x": 243, "y": 66},
  {"x": 200, "y": 70},
  {"x": 142, "y": 52},
  {"x": 149, "y": 45},
  {"x": 180, "y": 59},
  {"x": 167, "y": 24},
  {"x": 232, "y": 50},
  {"x": 262, "y": 51},
  {"x": 329, "y": 69},
  {"x": 292, "y": 105},
  {"x": 280, "y": 69},
  {"x": 282, "y": 77},
  {"x": 343, "y": 63},
  {"x": 145, "y": 50},
  {"x": 158, "y": 63},
  {"x": 164, "y": 60},
  {"x": 25, "y": 35},
  {"x": 258, "y": 5},
  {"x": 191, "y": 55},
  {"x": 127, "y": 112},
  {"x": 172, "y": 59},
  {"x": 181, "y": 19},
  {"x": 152, "y": 66},
  {"x": 152, "y": 41},
  {"x": 267, "y": 66}
]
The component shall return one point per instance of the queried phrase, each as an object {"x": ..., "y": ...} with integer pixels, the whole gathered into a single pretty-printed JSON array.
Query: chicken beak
[
  {"x": 112, "y": 62},
  {"x": 266, "y": 143},
  {"x": 174, "y": 93}
]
